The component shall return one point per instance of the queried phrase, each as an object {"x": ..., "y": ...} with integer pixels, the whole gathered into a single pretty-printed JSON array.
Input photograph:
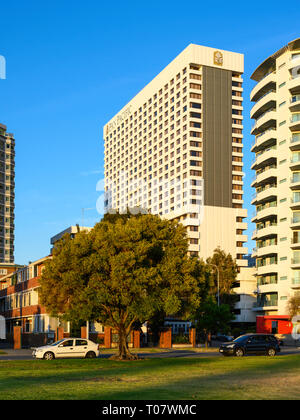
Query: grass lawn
[{"x": 170, "y": 378}]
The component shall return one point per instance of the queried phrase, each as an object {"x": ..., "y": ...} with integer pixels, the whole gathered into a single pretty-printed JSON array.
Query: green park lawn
[{"x": 169, "y": 378}]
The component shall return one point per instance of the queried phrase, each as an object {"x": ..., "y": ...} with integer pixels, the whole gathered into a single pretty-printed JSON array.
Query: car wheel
[
  {"x": 239, "y": 352},
  {"x": 90, "y": 355},
  {"x": 49, "y": 355},
  {"x": 271, "y": 352}
]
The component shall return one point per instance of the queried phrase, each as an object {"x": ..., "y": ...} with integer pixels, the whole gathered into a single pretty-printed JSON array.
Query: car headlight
[{"x": 230, "y": 346}]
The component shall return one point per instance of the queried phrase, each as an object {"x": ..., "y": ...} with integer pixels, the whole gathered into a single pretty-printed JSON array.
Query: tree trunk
[{"x": 124, "y": 353}]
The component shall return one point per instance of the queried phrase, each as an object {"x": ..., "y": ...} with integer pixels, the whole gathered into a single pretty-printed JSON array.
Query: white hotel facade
[{"x": 176, "y": 150}]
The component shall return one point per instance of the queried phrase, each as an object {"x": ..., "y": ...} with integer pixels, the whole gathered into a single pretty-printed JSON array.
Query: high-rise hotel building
[
  {"x": 277, "y": 182},
  {"x": 7, "y": 195},
  {"x": 176, "y": 150}
]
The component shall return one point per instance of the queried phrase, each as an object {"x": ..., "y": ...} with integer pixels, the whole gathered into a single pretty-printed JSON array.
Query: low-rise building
[{"x": 20, "y": 305}]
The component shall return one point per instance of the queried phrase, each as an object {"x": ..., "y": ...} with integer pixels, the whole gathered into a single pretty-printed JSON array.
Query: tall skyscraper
[
  {"x": 7, "y": 195},
  {"x": 277, "y": 164},
  {"x": 176, "y": 150}
]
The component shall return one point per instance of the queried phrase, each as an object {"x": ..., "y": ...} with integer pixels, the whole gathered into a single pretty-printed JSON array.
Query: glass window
[
  {"x": 67, "y": 343},
  {"x": 80, "y": 343}
]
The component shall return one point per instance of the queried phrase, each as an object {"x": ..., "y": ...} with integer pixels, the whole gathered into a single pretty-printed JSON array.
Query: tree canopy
[{"x": 124, "y": 270}]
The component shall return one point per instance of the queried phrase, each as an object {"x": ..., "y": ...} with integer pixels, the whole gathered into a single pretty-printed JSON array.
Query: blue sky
[{"x": 72, "y": 65}]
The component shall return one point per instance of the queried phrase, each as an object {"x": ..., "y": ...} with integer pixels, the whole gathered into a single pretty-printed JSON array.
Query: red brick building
[{"x": 20, "y": 306}]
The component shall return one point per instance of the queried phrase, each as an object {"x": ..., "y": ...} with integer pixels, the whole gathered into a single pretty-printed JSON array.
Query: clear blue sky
[{"x": 72, "y": 65}]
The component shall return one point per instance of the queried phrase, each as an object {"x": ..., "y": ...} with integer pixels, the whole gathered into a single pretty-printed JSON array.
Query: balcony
[
  {"x": 295, "y": 283},
  {"x": 267, "y": 288},
  {"x": 269, "y": 175},
  {"x": 266, "y": 306},
  {"x": 295, "y": 142},
  {"x": 266, "y": 102},
  {"x": 295, "y": 103},
  {"x": 294, "y": 85},
  {"x": 264, "y": 122},
  {"x": 295, "y": 162},
  {"x": 265, "y": 232},
  {"x": 265, "y": 157},
  {"x": 295, "y": 262},
  {"x": 295, "y": 122},
  {"x": 294, "y": 63},
  {"x": 266, "y": 194},
  {"x": 267, "y": 83},
  {"x": 295, "y": 241},
  {"x": 265, "y": 139},
  {"x": 295, "y": 202},
  {"x": 295, "y": 221},
  {"x": 267, "y": 269},
  {"x": 295, "y": 181},
  {"x": 267, "y": 250},
  {"x": 266, "y": 213}
]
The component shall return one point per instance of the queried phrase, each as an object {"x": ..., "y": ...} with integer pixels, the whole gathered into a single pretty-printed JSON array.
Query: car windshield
[
  {"x": 57, "y": 342},
  {"x": 240, "y": 339}
]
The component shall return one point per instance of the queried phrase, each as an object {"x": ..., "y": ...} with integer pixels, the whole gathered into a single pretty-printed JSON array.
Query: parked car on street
[
  {"x": 67, "y": 347},
  {"x": 251, "y": 344}
]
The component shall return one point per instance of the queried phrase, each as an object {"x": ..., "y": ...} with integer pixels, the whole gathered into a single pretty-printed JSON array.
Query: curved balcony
[
  {"x": 295, "y": 181},
  {"x": 295, "y": 142},
  {"x": 268, "y": 194},
  {"x": 265, "y": 102},
  {"x": 295, "y": 162},
  {"x": 268, "y": 288},
  {"x": 268, "y": 231},
  {"x": 263, "y": 86},
  {"x": 295, "y": 203},
  {"x": 269, "y": 175},
  {"x": 267, "y": 250},
  {"x": 265, "y": 214},
  {"x": 295, "y": 122},
  {"x": 264, "y": 122},
  {"x": 265, "y": 139},
  {"x": 266, "y": 158},
  {"x": 267, "y": 269},
  {"x": 295, "y": 241},
  {"x": 294, "y": 85},
  {"x": 295, "y": 284},
  {"x": 295, "y": 103},
  {"x": 294, "y": 65},
  {"x": 295, "y": 222},
  {"x": 295, "y": 263}
]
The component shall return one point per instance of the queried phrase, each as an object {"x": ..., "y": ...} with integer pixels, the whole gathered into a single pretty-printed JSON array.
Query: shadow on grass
[{"x": 172, "y": 378}]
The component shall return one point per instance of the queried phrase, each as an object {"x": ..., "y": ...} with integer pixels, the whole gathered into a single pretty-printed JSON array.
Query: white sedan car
[{"x": 67, "y": 347}]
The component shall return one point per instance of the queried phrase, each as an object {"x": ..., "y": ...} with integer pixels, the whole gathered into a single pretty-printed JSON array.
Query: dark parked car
[{"x": 251, "y": 344}]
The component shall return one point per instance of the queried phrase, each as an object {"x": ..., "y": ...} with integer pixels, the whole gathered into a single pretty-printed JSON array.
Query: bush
[
  {"x": 100, "y": 340},
  {"x": 180, "y": 339}
]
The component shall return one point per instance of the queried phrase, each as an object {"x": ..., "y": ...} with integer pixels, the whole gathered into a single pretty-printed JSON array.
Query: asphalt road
[{"x": 25, "y": 354}]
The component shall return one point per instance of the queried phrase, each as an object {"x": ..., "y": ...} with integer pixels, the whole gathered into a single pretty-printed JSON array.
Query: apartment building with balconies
[
  {"x": 276, "y": 127},
  {"x": 7, "y": 195},
  {"x": 176, "y": 150}
]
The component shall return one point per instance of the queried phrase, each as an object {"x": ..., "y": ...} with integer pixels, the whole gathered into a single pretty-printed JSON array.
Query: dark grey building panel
[{"x": 217, "y": 136}]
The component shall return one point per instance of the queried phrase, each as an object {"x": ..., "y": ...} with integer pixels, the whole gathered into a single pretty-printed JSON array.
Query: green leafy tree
[
  {"x": 123, "y": 271},
  {"x": 294, "y": 305},
  {"x": 223, "y": 264},
  {"x": 211, "y": 318},
  {"x": 201, "y": 272}
]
